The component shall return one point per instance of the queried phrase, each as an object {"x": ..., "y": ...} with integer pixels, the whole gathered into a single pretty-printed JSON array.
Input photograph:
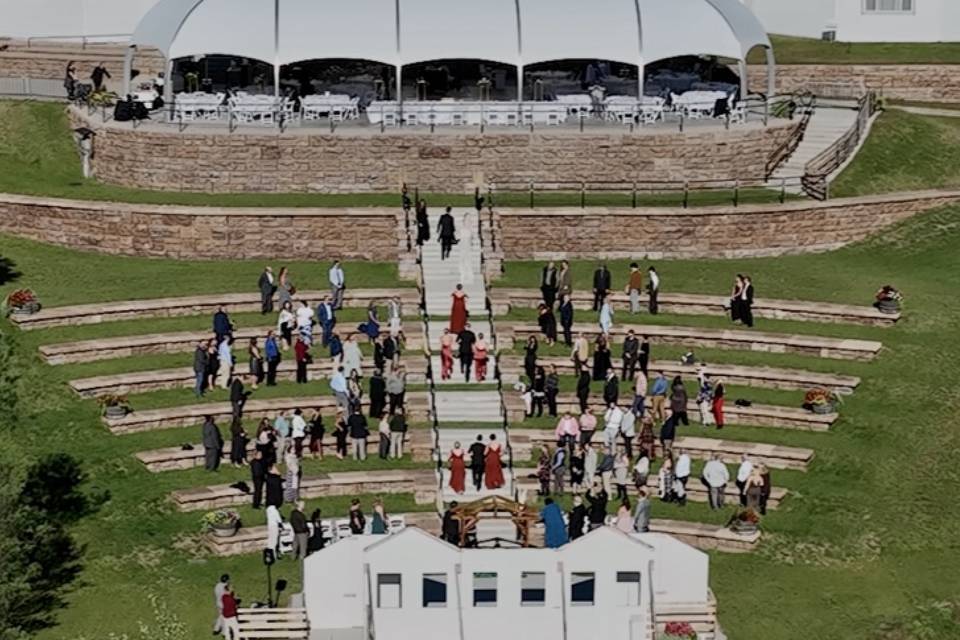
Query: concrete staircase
[
  {"x": 466, "y": 437},
  {"x": 462, "y": 267},
  {"x": 459, "y": 407},
  {"x": 826, "y": 126}
]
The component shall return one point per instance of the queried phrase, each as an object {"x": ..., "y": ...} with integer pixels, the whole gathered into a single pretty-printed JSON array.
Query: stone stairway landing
[
  {"x": 468, "y": 406},
  {"x": 826, "y": 126}
]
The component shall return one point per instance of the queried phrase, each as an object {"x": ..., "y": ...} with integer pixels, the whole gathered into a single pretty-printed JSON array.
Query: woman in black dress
[
  {"x": 423, "y": 223},
  {"x": 530, "y": 357},
  {"x": 576, "y": 468},
  {"x": 316, "y": 434},
  {"x": 548, "y": 323},
  {"x": 539, "y": 390},
  {"x": 340, "y": 433},
  {"x": 601, "y": 359}
]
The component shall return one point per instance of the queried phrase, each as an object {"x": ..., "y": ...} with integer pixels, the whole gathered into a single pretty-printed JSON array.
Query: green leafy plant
[{"x": 219, "y": 519}]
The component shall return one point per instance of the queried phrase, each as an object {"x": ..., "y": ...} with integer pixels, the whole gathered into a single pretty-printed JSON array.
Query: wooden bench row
[
  {"x": 503, "y": 300},
  {"x": 417, "y": 406},
  {"x": 523, "y": 442},
  {"x": 757, "y": 415},
  {"x": 183, "y": 378},
  {"x": 273, "y": 623},
  {"x": 840, "y": 348},
  {"x": 525, "y": 480},
  {"x": 179, "y": 342},
  {"x": 96, "y": 313},
  {"x": 766, "y": 377},
  {"x": 422, "y": 484},
  {"x": 418, "y": 443}
]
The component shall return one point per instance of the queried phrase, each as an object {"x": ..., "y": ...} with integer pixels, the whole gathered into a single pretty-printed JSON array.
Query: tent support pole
[
  {"x": 127, "y": 70},
  {"x": 744, "y": 82},
  {"x": 276, "y": 48},
  {"x": 771, "y": 73}
]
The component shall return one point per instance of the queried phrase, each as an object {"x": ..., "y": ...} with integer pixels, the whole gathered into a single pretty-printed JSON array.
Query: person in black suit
[
  {"x": 566, "y": 319},
  {"x": 601, "y": 285},
  {"x": 274, "y": 483},
  {"x": 238, "y": 397},
  {"x": 631, "y": 353},
  {"x": 378, "y": 394},
  {"x": 644, "y": 354},
  {"x": 746, "y": 302},
  {"x": 221, "y": 324},
  {"x": 267, "y": 289},
  {"x": 548, "y": 284},
  {"x": 447, "y": 232},
  {"x": 477, "y": 451},
  {"x": 258, "y": 475},
  {"x": 451, "y": 526},
  {"x": 212, "y": 445},
  {"x": 583, "y": 389},
  {"x": 423, "y": 223},
  {"x": 466, "y": 340},
  {"x": 611, "y": 388}
]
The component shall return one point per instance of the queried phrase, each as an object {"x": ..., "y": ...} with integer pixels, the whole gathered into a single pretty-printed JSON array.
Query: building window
[
  {"x": 484, "y": 589},
  {"x": 582, "y": 588},
  {"x": 888, "y": 6},
  {"x": 628, "y": 588},
  {"x": 533, "y": 589},
  {"x": 388, "y": 591},
  {"x": 434, "y": 590}
]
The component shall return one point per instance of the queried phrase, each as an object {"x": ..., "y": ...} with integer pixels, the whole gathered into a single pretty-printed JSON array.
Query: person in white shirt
[
  {"x": 743, "y": 474},
  {"x": 653, "y": 289},
  {"x": 274, "y": 521},
  {"x": 286, "y": 321},
  {"x": 641, "y": 471},
  {"x": 395, "y": 317},
  {"x": 298, "y": 431},
  {"x": 611, "y": 427},
  {"x": 337, "y": 284},
  {"x": 218, "y": 592},
  {"x": 589, "y": 465},
  {"x": 716, "y": 477},
  {"x": 305, "y": 322},
  {"x": 628, "y": 431},
  {"x": 682, "y": 469},
  {"x": 639, "y": 394},
  {"x": 226, "y": 363}
]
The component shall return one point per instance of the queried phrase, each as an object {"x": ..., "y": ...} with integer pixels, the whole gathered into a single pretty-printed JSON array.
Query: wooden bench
[
  {"x": 273, "y": 624},
  {"x": 179, "y": 342},
  {"x": 417, "y": 405},
  {"x": 183, "y": 378},
  {"x": 758, "y": 415},
  {"x": 707, "y": 536},
  {"x": 422, "y": 483},
  {"x": 766, "y": 377},
  {"x": 253, "y": 539},
  {"x": 524, "y": 479},
  {"x": 503, "y": 300},
  {"x": 97, "y": 313},
  {"x": 418, "y": 443},
  {"x": 702, "y": 616},
  {"x": 841, "y": 348},
  {"x": 524, "y": 441}
]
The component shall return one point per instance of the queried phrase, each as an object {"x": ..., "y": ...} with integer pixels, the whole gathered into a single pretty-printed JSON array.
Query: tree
[
  {"x": 9, "y": 381},
  {"x": 41, "y": 559}
]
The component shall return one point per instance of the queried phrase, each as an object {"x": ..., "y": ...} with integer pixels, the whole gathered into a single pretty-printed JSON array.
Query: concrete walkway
[{"x": 826, "y": 126}]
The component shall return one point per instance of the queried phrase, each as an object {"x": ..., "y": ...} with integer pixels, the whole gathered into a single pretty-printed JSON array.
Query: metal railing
[
  {"x": 632, "y": 193},
  {"x": 84, "y": 40},
  {"x": 816, "y": 178},
  {"x": 32, "y": 88},
  {"x": 805, "y": 104}
]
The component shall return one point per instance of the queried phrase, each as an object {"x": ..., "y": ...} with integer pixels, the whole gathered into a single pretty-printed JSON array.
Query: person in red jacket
[
  {"x": 231, "y": 627},
  {"x": 302, "y": 351}
]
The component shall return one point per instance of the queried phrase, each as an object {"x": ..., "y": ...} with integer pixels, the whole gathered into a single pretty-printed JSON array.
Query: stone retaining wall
[
  {"x": 371, "y": 234},
  {"x": 368, "y": 161},
  {"x": 754, "y": 230},
  {"x": 920, "y": 82},
  {"x": 204, "y": 232},
  {"x": 46, "y": 60}
]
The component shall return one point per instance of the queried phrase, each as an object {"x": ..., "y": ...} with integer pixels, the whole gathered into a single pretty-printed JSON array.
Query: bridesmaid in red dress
[
  {"x": 458, "y": 469},
  {"x": 493, "y": 473},
  {"x": 446, "y": 354},
  {"x": 458, "y": 313},
  {"x": 480, "y": 358}
]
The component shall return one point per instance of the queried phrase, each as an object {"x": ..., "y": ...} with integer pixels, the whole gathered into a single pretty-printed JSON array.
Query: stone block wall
[
  {"x": 204, "y": 232},
  {"x": 920, "y": 82},
  {"x": 47, "y": 60},
  {"x": 368, "y": 161},
  {"x": 746, "y": 231}
]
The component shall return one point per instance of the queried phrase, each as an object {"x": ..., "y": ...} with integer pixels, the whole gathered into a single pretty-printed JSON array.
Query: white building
[
  {"x": 862, "y": 20},
  {"x": 413, "y": 585}
]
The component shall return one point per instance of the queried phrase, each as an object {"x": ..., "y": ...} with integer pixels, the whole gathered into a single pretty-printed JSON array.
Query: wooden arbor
[{"x": 494, "y": 508}]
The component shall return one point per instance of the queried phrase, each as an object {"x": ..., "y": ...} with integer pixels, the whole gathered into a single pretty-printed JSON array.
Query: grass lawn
[
  {"x": 38, "y": 157},
  {"x": 863, "y": 548},
  {"x": 904, "y": 152},
  {"x": 793, "y": 50}
]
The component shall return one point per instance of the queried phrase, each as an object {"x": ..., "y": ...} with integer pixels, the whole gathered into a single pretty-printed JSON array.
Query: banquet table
[
  {"x": 697, "y": 104},
  {"x": 454, "y": 112},
  {"x": 190, "y": 106}
]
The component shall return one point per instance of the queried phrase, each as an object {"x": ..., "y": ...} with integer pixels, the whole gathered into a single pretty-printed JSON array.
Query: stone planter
[
  {"x": 227, "y": 530},
  {"x": 742, "y": 528},
  {"x": 26, "y": 310},
  {"x": 888, "y": 306},
  {"x": 823, "y": 409},
  {"x": 116, "y": 411}
]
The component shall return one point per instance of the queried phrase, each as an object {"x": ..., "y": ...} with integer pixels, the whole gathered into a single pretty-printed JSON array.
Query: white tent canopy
[{"x": 403, "y": 32}]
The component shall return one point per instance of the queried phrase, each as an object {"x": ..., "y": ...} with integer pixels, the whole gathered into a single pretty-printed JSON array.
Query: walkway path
[
  {"x": 826, "y": 126},
  {"x": 482, "y": 405}
]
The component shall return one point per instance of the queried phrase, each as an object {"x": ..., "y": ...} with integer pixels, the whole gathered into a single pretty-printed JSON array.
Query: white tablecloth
[{"x": 443, "y": 112}]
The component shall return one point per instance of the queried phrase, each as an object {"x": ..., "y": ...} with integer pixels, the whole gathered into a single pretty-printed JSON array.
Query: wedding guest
[
  {"x": 551, "y": 389},
  {"x": 634, "y": 287},
  {"x": 588, "y": 424},
  {"x": 736, "y": 312},
  {"x": 458, "y": 469},
  {"x": 565, "y": 279},
  {"x": 383, "y": 430},
  {"x": 285, "y": 288},
  {"x": 271, "y": 349},
  {"x": 256, "y": 363},
  {"x": 338, "y": 284},
  {"x": 580, "y": 353},
  {"x": 480, "y": 358},
  {"x": 630, "y": 355},
  {"x": 302, "y": 352},
  {"x": 267, "y": 289},
  {"x": 606, "y": 316},
  {"x": 446, "y": 232},
  {"x": 446, "y": 354},
  {"x": 566, "y": 318},
  {"x": 286, "y": 322},
  {"x": 316, "y": 434},
  {"x": 653, "y": 290},
  {"x": 583, "y": 389},
  {"x": 601, "y": 358},
  {"x": 465, "y": 341},
  {"x": 601, "y": 285},
  {"x": 717, "y": 405},
  {"x": 548, "y": 323}
]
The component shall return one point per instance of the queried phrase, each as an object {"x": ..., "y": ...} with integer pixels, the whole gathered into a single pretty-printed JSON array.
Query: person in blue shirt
[
  {"x": 338, "y": 384},
  {"x": 221, "y": 324},
  {"x": 327, "y": 318},
  {"x": 658, "y": 395},
  {"x": 271, "y": 350},
  {"x": 555, "y": 531}
]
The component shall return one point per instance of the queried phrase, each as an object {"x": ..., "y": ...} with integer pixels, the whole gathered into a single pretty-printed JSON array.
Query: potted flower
[
  {"x": 744, "y": 522},
  {"x": 114, "y": 406},
  {"x": 821, "y": 401},
  {"x": 888, "y": 299},
  {"x": 222, "y": 523},
  {"x": 678, "y": 631},
  {"x": 22, "y": 302}
]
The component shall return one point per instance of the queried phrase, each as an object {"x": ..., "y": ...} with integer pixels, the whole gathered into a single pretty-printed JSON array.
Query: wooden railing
[
  {"x": 816, "y": 175},
  {"x": 805, "y": 104}
]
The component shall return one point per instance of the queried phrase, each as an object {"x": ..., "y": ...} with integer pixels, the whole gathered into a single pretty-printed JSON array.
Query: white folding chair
[
  {"x": 328, "y": 531},
  {"x": 390, "y": 118},
  {"x": 397, "y": 524},
  {"x": 411, "y": 119},
  {"x": 343, "y": 529}
]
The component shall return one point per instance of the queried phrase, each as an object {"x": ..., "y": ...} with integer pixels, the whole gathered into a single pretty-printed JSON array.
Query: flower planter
[
  {"x": 116, "y": 411},
  {"x": 823, "y": 409},
  {"x": 888, "y": 306},
  {"x": 25, "y": 310},
  {"x": 226, "y": 530},
  {"x": 744, "y": 528}
]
